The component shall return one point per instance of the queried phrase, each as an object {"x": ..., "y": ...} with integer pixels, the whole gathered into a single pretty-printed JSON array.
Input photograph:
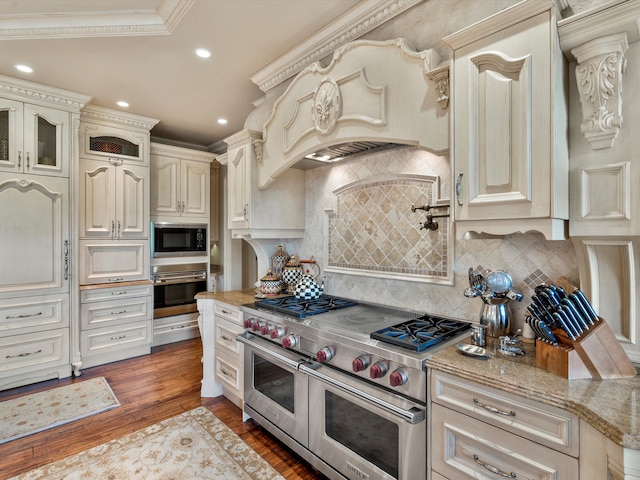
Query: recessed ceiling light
[
  {"x": 203, "y": 52},
  {"x": 222, "y": 121},
  {"x": 24, "y": 68},
  {"x": 122, "y": 103}
]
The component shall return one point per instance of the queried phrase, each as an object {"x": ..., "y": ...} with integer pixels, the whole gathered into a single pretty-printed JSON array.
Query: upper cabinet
[
  {"x": 34, "y": 139},
  {"x": 273, "y": 212},
  {"x": 180, "y": 182},
  {"x": 510, "y": 147},
  {"x": 114, "y": 194}
]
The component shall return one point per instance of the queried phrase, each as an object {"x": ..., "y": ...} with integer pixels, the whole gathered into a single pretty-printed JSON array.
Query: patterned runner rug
[
  {"x": 36, "y": 412},
  {"x": 193, "y": 445}
]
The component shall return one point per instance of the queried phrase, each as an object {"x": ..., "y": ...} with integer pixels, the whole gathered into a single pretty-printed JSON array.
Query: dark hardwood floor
[{"x": 150, "y": 388}]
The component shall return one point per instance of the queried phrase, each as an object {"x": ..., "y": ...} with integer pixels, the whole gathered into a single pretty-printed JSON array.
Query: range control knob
[
  {"x": 257, "y": 325},
  {"x": 324, "y": 355},
  {"x": 378, "y": 370},
  {"x": 398, "y": 377},
  {"x": 276, "y": 332},
  {"x": 248, "y": 323},
  {"x": 360, "y": 363},
  {"x": 289, "y": 341},
  {"x": 264, "y": 329}
]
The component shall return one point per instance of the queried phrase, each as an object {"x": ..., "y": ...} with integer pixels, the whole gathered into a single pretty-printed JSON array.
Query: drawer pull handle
[
  {"x": 495, "y": 410},
  {"x": 26, "y": 354},
  {"x": 491, "y": 468},
  {"x": 118, "y": 338},
  {"x": 179, "y": 327},
  {"x": 119, "y": 292},
  {"x": 227, "y": 373},
  {"x": 115, "y": 279},
  {"x": 228, "y": 339},
  {"x": 226, "y": 311},
  {"x": 120, "y": 312},
  {"x": 24, "y": 315}
]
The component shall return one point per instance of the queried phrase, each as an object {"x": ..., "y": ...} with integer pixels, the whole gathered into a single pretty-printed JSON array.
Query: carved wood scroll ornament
[{"x": 601, "y": 63}]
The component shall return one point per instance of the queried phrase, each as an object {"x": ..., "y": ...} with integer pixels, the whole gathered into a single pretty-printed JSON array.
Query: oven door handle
[
  {"x": 246, "y": 339},
  {"x": 414, "y": 415}
]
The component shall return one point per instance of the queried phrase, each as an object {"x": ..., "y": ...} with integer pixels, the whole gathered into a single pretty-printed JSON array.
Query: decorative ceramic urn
[
  {"x": 270, "y": 284},
  {"x": 278, "y": 261},
  {"x": 292, "y": 273}
]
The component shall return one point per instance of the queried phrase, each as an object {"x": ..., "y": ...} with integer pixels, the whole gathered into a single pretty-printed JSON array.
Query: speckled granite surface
[
  {"x": 233, "y": 297},
  {"x": 611, "y": 406}
]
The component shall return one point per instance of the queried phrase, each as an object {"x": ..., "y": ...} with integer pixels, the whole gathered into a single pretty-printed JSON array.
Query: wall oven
[
  {"x": 175, "y": 287},
  {"x": 178, "y": 240}
]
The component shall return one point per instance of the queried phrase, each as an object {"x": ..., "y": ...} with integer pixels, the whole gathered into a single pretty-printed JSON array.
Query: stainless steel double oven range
[{"x": 343, "y": 384}]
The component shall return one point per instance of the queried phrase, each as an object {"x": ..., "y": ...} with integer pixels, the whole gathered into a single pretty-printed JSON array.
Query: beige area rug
[
  {"x": 36, "y": 412},
  {"x": 193, "y": 445}
]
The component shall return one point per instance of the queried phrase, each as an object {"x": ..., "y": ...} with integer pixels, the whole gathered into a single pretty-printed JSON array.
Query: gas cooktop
[
  {"x": 300, "y": 307},
  {"x": 421, "y": 333}
]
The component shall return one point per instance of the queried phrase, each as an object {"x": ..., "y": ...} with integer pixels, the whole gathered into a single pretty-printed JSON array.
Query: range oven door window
[
  {"x": 363, "y": 431},
  {"x": 274, "y": 388}
]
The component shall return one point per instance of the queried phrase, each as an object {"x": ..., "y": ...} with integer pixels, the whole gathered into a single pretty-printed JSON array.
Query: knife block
[{"x": 597, "y": 354}]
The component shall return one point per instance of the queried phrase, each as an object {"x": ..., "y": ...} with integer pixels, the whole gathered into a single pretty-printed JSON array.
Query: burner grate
[
  {"x": 300, "y": 307},
  {"x": 421, "y": 333}
]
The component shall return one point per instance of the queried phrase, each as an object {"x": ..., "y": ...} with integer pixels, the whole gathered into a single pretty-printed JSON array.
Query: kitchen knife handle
[
  {"x": 585, "y": 303},
  {"x": 560, "y": 321}
]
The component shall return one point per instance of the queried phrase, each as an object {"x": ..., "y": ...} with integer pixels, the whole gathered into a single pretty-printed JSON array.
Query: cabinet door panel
[
  {"x": 132, "y": 193},
  {"x": 164, "y": 178},
  {"x": 11, "y": 133},
  {"x": 113, "y": 261},
  {"x": 45, "y": 131},
  {"x": 194, "y": 179},
  {"x": 239, "y": 187},
  {"x": 97, "y": 194},
  {"x": 34, "y": 229}
]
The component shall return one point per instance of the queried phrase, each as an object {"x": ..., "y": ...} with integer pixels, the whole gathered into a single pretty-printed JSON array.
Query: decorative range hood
[{"x": 372, "y": 96}]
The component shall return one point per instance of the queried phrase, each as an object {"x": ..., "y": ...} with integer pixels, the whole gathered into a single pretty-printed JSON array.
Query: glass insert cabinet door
[{"x": 33, "y": 139}]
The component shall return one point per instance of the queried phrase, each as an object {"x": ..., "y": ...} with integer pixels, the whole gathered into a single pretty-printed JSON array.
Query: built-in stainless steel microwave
[{"x": 178, "y": 239}]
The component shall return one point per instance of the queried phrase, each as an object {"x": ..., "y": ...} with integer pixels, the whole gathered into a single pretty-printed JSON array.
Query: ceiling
[{"x": 142, "y": 51}]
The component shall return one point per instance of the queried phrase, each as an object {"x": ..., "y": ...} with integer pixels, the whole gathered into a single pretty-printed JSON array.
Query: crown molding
[
  {"x": 159, "y": 21},
  {"x": 182, "y": 153},
  {"x": 101, "y": 114},
  {"x": 26, "y": 91},
  {"x": 361, "y": 19}
]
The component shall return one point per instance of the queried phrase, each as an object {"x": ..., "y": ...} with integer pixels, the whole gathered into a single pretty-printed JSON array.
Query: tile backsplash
[
  {"x": 374, "y": 230},
  {"x": 529, "y": 258}
]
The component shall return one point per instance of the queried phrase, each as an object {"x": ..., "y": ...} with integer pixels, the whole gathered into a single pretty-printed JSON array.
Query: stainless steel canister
[{"x": 479, "y": 335}]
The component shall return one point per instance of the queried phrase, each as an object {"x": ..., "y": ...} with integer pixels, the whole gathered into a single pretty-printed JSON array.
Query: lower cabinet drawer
[
  {"x": 465, "y": 448},
  {"x": 226, "y": 333},
  {"x": 34, "y": 350},
  {"x": 228, "y": 312},
  {"x": 228, "y": 372},
  {"x": 33, "y": 313},
  {"x": 114, "y": 312},
  {"x": 115, "y": 338}
]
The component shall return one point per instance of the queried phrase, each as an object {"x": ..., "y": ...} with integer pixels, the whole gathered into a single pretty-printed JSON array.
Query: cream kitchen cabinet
[
  {"x": 510, "y": 152},
  {"x": 223, "y": 362},
  {"x": 114, "y": 192},
  {"x": 180, "y": 182},
  {"x": 277, "y": 211},
  {"x": 481, "y": 432},
  {"x": 115, "y": 323},
  {"x": 34, "y": 139},
  {"x": 39, "y": 267},
  {"x": 115, "y": 200}
]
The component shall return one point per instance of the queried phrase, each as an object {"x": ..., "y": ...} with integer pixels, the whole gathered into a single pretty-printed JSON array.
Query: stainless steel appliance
[
  {"x": 178, "y": 239},
  {"x": 175, "y": 287},
  {"x": 343, "y": 383}
]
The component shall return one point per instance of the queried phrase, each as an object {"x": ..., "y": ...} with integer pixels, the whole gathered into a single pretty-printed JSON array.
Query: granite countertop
[
  {"x": 611, "y": 406},
  {"x": 232, "y": 297}
]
